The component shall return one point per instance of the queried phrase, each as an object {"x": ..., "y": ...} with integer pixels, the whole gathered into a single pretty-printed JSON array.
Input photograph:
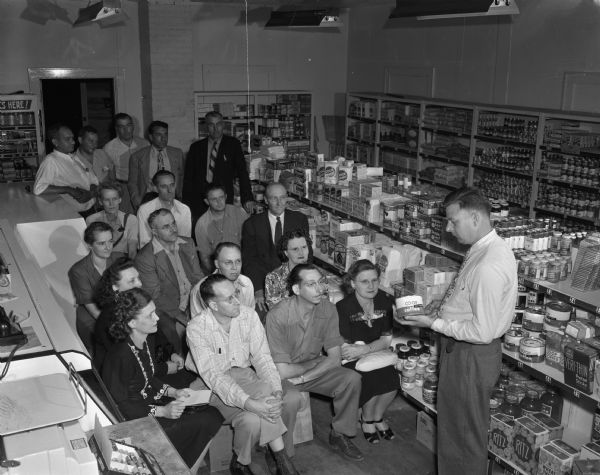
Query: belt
[
  {"x": 122, "y": 181},
  {"x": 451, "y": 342}
]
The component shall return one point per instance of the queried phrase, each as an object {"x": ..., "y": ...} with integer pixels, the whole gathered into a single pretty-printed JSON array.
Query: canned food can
[
  {"x": 532, "y": 350},
  {"x": 558, "y": 311}
]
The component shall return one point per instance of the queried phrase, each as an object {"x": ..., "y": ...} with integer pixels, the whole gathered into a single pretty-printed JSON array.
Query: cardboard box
[
  {"x": 579, "y": 364},
  {"x": 553, "y": 461},
  {"x": 426, "y": 431},
  {"x": 586, "y": 467},
  {"x": 500, "y": 435},
  {"x": 555, "y": 429},
  {"x": 590, "y": 451},
  {"x": 220, "y": 449},
  {"x": 528, "y": 437}
]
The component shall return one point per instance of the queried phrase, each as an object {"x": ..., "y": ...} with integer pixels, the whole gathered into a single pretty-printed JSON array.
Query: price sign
[
  {"x": 520, "y": 364},
  {"x": 443, "y": 252},
  {"x": 598, "y": 310},
  {"x": 548, "y": 379},
  {"x": 576, "y": 393},
  {"x": 536, "y": 286},
  {"x": 548, "y": 291},
  {"x": 521, "y": 280},
  {"x": 572, "y": 300}
]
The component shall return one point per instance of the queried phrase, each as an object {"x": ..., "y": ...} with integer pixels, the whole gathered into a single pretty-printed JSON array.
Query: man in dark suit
[
  {"x": 169, "y": 268},
  {"x": 144, "y": 163},
  {"x": 260, "y": 234},
  {"x": 217, "y": 160}
]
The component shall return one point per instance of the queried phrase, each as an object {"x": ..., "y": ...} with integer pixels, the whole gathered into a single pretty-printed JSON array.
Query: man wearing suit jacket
[
  {"x": 217, "y": 160},
  {"x": 144, "y": 163},
  {"x": 169, "y": 268},
  {"x": 259, "y": 238}
]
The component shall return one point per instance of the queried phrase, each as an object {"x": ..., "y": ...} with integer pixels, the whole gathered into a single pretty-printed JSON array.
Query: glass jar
[
  {"x": 510, "y": 406},
  {"x": 503, "y": 379},
  {"x": 420, "y": 373},
  {"x": 430, "y": 385},
  {"x": 403, "y": 353},
  {"x": 407, "y": 380},
  {"x": 552, "y": 404},
  {"x": 553, "y": 274},
  {"x": 517, "y": 390},
  {"x": 530, "y": 403}
]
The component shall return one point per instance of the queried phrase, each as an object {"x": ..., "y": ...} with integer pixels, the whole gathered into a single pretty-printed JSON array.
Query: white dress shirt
[
  {"x": 120, "y": 154},
  {"x": 243, "y": 286},
  {"x": 482, "y": 306},
  {"x": 181, "y": 213}
]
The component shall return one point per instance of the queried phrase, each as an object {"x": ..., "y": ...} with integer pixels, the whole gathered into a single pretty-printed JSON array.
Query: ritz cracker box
[{"x": 528, "y": 437}]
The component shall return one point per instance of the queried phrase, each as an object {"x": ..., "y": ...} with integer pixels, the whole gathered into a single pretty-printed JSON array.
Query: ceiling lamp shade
[
  {"x": 439, "y": 9},
  {"x": 304, "y": 18}
]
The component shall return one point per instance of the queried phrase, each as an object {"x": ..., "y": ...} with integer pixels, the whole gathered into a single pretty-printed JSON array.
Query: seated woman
[
  {"x": 120, "y": 277},
  {"x": 129, "y": 374},
  {"x": 293, "y": 248},
  {"x": 366, "y": 316},
  {"x": 85, "y": 274},
  {"x": 124, "y": 225}
]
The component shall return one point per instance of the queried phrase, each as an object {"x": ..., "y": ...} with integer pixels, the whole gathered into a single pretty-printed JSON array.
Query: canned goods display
[
  {"x": 532, "y": 350},
  {"x": 533, "y": 318},
  {"x": 560, "y": 311},
  {"x": 409, "y": 305},
  {"x": 512, "y": 338}
]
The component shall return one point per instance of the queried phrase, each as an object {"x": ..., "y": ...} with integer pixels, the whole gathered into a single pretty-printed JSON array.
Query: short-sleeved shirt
[
  {"x": 120, "y": 154},
  {"x": 293, "y": 340},
  {"x": 102, "y": 164},
  {"x": 209, "y": 232}
]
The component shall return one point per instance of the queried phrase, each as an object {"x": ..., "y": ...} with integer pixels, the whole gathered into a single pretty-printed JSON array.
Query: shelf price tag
[
  {"x": 443, "y": 251},
  {"x": 548, "y": 291},
  {"x": 598, "y": 310},
  {"x": 536, "y": 286},
  {"x": 548, "y": 379},
  {"x": 521, "y": 280},
  {"x": 572, "y": 300},
  {"x": 520, "y": 364},
  {"x": 576, "y": 393}
]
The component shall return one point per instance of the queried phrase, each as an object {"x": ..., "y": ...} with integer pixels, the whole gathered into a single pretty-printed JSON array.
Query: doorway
[{"x": 78, "y": 102}]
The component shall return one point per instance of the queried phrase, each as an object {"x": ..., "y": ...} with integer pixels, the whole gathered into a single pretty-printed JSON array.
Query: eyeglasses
[
  {"x": 323, "y": 283},
  {"x": 166, "y": 227}
]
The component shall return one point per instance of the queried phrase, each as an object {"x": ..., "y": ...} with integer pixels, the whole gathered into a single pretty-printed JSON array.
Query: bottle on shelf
[{"x": 552, "y": 404}]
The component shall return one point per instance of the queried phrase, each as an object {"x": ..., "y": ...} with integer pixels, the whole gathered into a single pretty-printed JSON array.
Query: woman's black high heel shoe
[
  {"x": 387, "y": 434},
  {"x": 371, "y": 437}
]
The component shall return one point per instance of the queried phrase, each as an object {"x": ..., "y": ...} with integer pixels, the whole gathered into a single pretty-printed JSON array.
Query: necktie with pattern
[
  {"x": 211, "y": 163},
  {"x": 161, "y": 160},
  {"x": 278, "y": 230}
]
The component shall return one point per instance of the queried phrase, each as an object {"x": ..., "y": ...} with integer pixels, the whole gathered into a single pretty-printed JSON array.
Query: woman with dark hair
[
  {"x": 366, "y": 318},
  {"x": 129, "y": 375},
  {"x": 118, "y": 278},
  {"x": 294, "y": 248}
]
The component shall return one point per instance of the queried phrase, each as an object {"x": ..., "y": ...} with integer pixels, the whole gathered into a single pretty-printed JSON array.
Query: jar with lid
[
  {"x": 530, "y": 403},
  {"x": 554, "y": 268},
  {"x": 510, "y": 406},
  {"x": 503, "y": 379},
  {"x": 552, "y": 404},
  {"x": 534, "y": 269},
  {"x": 518, "y": 390},
  {"x": 498, "y": 394},
  {"x": 494, "y": 406},
  {"x": 416, "y": 349},
  {"x": 430, "y": 386},
  {"x": 407, "y": 380},
  {"x": 420, "y": 372},
  {"x": 518, "y": 377},
  {"x": 403, "y": 353}
]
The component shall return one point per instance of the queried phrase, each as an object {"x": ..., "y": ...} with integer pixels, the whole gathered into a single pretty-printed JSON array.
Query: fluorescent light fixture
[
  {"x": 323, "y": 18},
  {"x": 105, "y": 13},
  {"x": 441, "y": 9}
]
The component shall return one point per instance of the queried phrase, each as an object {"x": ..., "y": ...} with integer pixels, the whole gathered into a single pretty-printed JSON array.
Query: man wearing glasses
[
  {"x": 304, "y": 337},
  {"x": 229, "y": 350},
  {"x": 228, "y": 262},
  {"x": 169, "y": 268}
]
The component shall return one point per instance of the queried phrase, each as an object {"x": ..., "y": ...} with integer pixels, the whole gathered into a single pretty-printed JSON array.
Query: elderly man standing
[
  {"x": 169, "y": 268},
  {"x": 88, "y": 152},
  {"x": 476, "y": 311},
  {"x": 229, "y": 350},
  {"x": 261, "y": 234},
  {"x": 62, "y": 173},
  {"x": 222, "y": 222},
  {"x": 215, "y": 160},
  {"x": 147, "y": 161},
  {"x": 228, "y": 262},
  {"x": 120, "y": 150}
]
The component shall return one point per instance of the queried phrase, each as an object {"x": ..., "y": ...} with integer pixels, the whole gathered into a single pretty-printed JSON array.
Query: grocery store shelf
[
  {"x": 549, "y": 375},
  {"x": 394, "y": 234},
  {"x": 398, "y": 124},
  {"x": 581, "y": 153},
  {"x": 502, "y": 171},
  {"x": 397, "y": 147},
  {"x": 568, "y": 184},
  {"x": 510, "y": 468},
  {"x": 567, "y": 216},
  {"x": 501, "y": 141},
  {"x": 361, "y": 141},
  {"x": 441, "y": 158},
  {"x": 443, "y": 130},
  {"x": 437, "y": 183},
  {"x": 362, "y": 119},
  {"x": 588, "y": 301}
]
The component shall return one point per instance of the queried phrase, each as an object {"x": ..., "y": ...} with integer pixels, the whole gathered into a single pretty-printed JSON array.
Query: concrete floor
[{"x": 403, "y": 455}]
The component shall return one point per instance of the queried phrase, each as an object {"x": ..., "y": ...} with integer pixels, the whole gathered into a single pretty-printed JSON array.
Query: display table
[{"x": 147, "y": 434}]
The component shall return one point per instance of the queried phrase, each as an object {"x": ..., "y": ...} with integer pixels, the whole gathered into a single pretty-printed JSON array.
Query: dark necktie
[
  {"x": 278, "y": 230},
  {"x": 211, "y": 163},
  {"x": 161, "y": 160}
]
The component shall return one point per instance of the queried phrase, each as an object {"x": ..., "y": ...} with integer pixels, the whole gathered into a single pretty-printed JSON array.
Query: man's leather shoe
[
  {"x": 236, "y": 468},
  {"x": 284, "y": 464},
  {"x": 343, "y": 443}
]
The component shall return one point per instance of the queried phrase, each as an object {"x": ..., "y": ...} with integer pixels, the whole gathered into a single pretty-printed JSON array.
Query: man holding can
[{"x": 476, "y": 311}]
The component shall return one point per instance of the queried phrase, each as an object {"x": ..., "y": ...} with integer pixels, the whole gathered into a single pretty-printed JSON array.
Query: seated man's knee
[
  {"x": 292, "y": 399},
  {"x": 247, "y": 422},
  {"x": 354, "y": 379}
]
